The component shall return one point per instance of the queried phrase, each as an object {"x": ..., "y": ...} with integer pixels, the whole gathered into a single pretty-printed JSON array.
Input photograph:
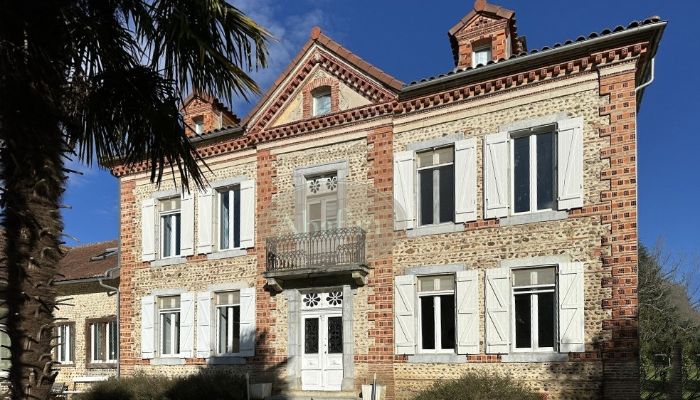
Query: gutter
[
  {"x": 108, "y": 275},
  {"x": 418, "y": 88}
]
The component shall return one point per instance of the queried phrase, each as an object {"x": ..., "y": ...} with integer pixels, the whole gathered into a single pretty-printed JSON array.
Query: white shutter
[
  {"x": 465, "y": 180},
  {"x": 496, "y": 164},
  {"x": 247, "y": 214},
  {"x": 204, "y": 325},
  {"x": 571, "y": 326},
  {"x": 148, "y": 230},
  {"x": 570, "y": 163},
  {"x": 468, "y": 312},
  {"x": 247, "y": 332},
  {"x": 205, "y": 206},
  {"x": 405, "y": 314},
  {"x": 187, "y": 304},
  {"x": 187, "y": 224},
  {"x": 148, "y": 308},
  {"x": 404, "y": 194},
  {"x": 497, "y": 310}
]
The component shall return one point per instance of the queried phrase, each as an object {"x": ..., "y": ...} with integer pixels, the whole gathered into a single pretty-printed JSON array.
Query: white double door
[{"x": 322, "y": 350}]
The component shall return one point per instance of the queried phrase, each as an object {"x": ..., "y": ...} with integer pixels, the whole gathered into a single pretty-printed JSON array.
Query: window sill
[
  {"x": 110, "y": 365},
  {"x": 226, "y": 254},
  {"x": 450, "y": 358},
  {"x": 164, "y": 262},
  {"x": 426, "y": 230},
  {"x": 541, "y": 216},
  {"x": 168, "y": 361},
  {"x": 226, "y": 360},
  {"x": 534, "y": 357},
  {"x": 65, "y": 365}
]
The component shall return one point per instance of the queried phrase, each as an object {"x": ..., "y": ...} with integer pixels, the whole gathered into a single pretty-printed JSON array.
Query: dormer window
[
  {"x": 481, "y": 55},
  {"x": 198, "y": 125},
  {"x": 321, "y": 101}
]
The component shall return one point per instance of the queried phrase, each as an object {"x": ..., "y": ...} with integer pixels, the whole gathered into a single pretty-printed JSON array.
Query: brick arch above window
[{"x": 313, "y": 86}]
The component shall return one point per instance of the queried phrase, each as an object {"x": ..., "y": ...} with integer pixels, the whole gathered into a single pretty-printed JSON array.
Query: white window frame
[
  {"x": 316, "y": 95},
  {"x": 198, "y": 125},
  {"x": 532, "y": 134},
  {"x": 436, "y": 186},
  {"x": 323, "y": 200},
  {"x": 64, "y": 343},
  {"x": 484, "y": 48},
  {"x": 174, "y": 338},
  {"x": 107, "y": 326},
  {"x": 435, "y": 294},
  {"x": 173, "y": 215},
  {"x": 534, "y": 317},
  {"x": 231, "y": 190},
  {"x": 229, "y": 328}
]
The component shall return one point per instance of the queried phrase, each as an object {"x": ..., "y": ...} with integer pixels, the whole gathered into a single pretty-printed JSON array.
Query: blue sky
[{"x": 408, "y": 39}]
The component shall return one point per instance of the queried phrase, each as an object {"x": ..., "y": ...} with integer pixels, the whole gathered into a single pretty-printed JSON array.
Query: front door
[{"x": 322, "y": 344}]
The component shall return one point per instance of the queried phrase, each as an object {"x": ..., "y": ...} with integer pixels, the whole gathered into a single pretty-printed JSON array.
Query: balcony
[{"x": 327, "y": 253}]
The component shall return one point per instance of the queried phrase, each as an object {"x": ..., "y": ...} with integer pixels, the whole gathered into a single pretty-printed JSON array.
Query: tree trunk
[{"x": 676, "y": 383}]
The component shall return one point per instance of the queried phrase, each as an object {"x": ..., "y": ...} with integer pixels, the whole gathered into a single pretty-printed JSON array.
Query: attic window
[
  {"x": 321, "y": 100},
  {"x": 198, "y": 125},
  {"x": 481, "y": 55}
]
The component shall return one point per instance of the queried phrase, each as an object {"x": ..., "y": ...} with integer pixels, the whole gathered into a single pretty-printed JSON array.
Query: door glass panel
[
  {"x": 335, "y": 335},
  {"x": 545, "y": 171},
  {"x": 545, "y": 319},
  {"x": 314, "y": 217},
  {"x": 521, "y": 172},
  {"x": 427, "y": 322},
  {"x": 311, "y": 336},
  {"x": 447, "y": 321},
  {"x": 522, "y": 321},
  {"x": 331, "y": 214}
]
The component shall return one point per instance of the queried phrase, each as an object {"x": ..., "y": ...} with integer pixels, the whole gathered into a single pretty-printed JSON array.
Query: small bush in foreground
[{"x": 477, "y": 387}]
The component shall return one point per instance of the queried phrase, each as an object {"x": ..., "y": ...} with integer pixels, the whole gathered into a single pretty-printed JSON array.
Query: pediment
[{"x": 352, "y": 81}]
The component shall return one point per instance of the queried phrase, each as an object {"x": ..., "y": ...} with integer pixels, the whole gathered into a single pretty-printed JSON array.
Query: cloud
[{"x": 290, "y": 31}]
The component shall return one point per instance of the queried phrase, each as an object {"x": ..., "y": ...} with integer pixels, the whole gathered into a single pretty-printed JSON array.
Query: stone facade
[{"x": 372, "y": 120}]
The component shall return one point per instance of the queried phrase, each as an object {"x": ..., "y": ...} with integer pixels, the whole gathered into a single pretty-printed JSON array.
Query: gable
[{"x": 352, "y": 81}]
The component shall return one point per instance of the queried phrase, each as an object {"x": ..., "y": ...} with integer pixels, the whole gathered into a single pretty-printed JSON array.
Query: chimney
[
  {"x": 487, "y": 33},
  {"x": 204, "y": 113}
]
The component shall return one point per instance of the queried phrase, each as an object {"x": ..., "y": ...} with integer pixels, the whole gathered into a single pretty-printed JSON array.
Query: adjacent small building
[{"x": 482, "y": 220}]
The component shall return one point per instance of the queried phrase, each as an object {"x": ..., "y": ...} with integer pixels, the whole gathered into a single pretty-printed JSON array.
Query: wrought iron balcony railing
[{"x": 316, "y": 250}]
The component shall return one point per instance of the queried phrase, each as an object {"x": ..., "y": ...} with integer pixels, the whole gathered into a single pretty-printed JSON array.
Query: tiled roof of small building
[
  {"x": 88, "y": 261},
  {"x": 593, "y": 35}
]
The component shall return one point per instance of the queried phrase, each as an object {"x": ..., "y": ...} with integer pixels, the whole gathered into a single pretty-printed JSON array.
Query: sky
[{"x": 408, "y": 40}]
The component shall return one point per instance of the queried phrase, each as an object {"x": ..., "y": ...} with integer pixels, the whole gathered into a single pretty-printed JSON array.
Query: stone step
[{"x": 316, "y": 395}]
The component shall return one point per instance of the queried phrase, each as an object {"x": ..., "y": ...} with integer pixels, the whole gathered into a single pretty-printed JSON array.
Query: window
[
  {"x": 4, "y": 342},
  {"x": 321, "y": 100},
  {"x": 103, "y": 341},
  {"x": 169, "y": 322},
  {"x": 436, "y": 296},
  {"x": 229, "y": 218},
  {"x": 228, "y": 322},
  {"x": 534, "y": 172},
  {"x": 481, "y": 55},
  {"x": 534, "y": 305},
  {"x": 170, "y": 227},
  {"x": 322, "y": 202},
  {"x": 64, "y": 343},
  {"x": 436, "y": 184},
  {"x": 198, "y": 125}
]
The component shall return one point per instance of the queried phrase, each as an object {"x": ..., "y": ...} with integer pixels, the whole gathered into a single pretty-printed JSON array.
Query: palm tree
[{"x": 97, "y": 79}]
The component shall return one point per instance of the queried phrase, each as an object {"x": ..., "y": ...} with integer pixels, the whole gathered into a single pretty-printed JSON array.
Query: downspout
[
  {"x": 651, "y": 78},
  {"x": 107, "y": 275}
]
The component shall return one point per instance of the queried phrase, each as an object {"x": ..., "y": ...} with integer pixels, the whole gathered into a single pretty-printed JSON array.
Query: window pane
[
  {"x": 236, "y": 217},
  {"x": 444, "y": 155},
  {"x": 170, "y": 204},
  {"x": 447, "y": 193},
  {"x": 447, "y": 282},
  {"x": 314, "y": 216},
  {"x": 113, "y": 340},
  {"x": 545, "y": 276},
  {"x": 225, "y": 298},
  {"x": 311, "y": 336},
  {"x": 167, "y": 333},
  {"x": 522, "y": 321},
  {"x": 335, "y": 335},
  {"x": 426, "y": 283},
  {"x": 521, "y": 277},
  {"x": 98, "y": 342},
  {"x": 521, "y": 173},
  {"x": 545, "y": 171},
  {"x": 331, "y": 214},
  {"x": 224, "y": 212},
  {"x": 176, "y": 316},
  {"x": 4, "y": 350},
  {"x": 425, "y": 159},
  {"x": 167, "y": 235},
  {"x": 427, "y": 322},
  {"x": 223, "y": 329},
  {"x": 236, "y": 333},
  {"x": 177, "y": 234},
  {"x": 545, "y": 319},
  {"x": 168, "y": 302},
  {"x": 447, "y": 321},
  {"x": 425, "y": 182}
]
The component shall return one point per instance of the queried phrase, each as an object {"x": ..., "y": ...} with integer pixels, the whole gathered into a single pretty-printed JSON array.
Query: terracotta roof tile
[{"x": 88, "y": 261}]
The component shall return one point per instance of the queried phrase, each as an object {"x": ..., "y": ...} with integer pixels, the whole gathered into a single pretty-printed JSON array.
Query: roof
[
  {"x": 317, "y": 37},
  {"x": 210, "y": 99},
  {"x": 91, "y": 260},
  {"x": 481, "y": 7},
  {"x": 569, "y": 44}
]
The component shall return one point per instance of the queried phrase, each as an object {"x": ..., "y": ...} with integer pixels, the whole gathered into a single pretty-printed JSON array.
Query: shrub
[{"x": 480, "y": 386}]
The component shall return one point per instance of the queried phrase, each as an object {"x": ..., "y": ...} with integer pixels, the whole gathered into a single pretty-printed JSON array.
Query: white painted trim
[
  {"x": 437, "y": 142},
  {"x": 164, "y": 262},
  {"x": 532, "y": 217},
  {"x": 218, "y": 255},
  {"x": 534, "y": 357},
  {"x": 533, "y": 122},
  {"x": 534, "y": 261},
  {"x": 435, "y": 269}
]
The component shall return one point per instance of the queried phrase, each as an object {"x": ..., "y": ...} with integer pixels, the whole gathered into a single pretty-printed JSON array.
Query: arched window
[{"x": 321, "y": 101}]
